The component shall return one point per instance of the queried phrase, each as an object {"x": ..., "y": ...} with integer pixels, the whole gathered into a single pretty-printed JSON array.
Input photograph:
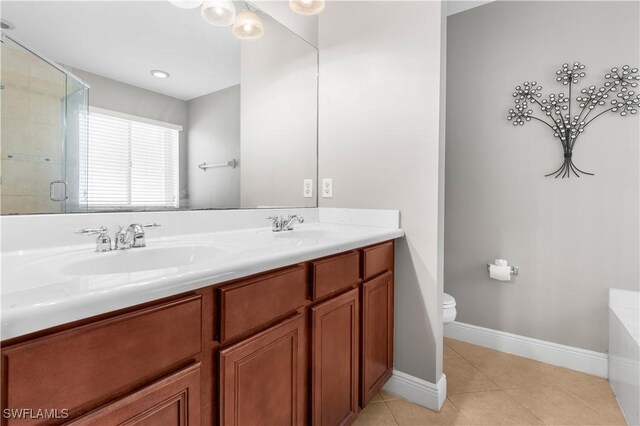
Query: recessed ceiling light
[
  {"x": 159, "y": 74},
  {"x": 6, "y": 25}
]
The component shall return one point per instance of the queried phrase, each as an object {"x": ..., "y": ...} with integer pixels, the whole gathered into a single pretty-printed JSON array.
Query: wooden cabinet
[
  {"x": 377, "y": 259},
  {"x": 334, "y": 360},
  {"x": 81, "y": 368},
  {"x": 335, "y": 273},
  {"x": 377, "y": 335},
  {"x": 249, "y": 304},
  {"x": 262, "y": 379},
  {"x": 304, "y": 344},
  {"x": 173, "y": 401}
]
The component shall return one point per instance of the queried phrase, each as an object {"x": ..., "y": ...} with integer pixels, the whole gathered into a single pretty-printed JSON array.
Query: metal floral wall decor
[{"x": 567, "y": 121}]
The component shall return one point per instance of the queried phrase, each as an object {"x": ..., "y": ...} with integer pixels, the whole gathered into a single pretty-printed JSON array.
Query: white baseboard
[
  {"x": 427, "y": 394},
  {"x": 586, "y": 361}
]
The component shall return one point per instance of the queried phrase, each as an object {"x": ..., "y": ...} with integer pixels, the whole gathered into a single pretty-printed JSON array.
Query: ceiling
[{"x": 125, "y": 40}]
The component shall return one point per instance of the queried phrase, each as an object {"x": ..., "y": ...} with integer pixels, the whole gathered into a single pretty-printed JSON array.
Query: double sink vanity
[
  {"x": 232, "y": 327},
  {"x": 211, "y": 304}
]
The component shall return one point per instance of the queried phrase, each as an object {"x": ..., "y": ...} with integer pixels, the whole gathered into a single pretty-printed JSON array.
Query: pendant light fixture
[
  {"x": 220, "y": 13},
  {"x": 186, "y": 4},
  {"x": 306, "y": 7},
  {"x": 248, "y": 25}
]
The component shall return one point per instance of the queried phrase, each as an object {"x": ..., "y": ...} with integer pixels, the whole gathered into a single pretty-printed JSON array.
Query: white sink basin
[{"x": 142, "y": 259}]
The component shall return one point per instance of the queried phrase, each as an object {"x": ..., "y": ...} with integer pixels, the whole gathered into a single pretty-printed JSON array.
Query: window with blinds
[{"x": 130, "y": 163}]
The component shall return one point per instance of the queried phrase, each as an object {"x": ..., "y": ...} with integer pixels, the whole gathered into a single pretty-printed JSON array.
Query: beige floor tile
[
  {"x": 487, "y": 387},
  {"x": 386, "y": 396},
  {"x": 591, "y": 390},
  {"x": 375, "y": 413},
  {"x": 570, "y": 379},
  {"x": 492, "y": 408},
  {"x": 555, "y": 406},
  {"x": 463, "y": 377},
  {"x": 407, "y": 413},
  {"x": 376, "y": 397},
  {"x": 467, "y": 350},
  {"x": 509, "y": 371},
  {"x": 597, "y": 394},
  {"x": 448, "y": 352}
]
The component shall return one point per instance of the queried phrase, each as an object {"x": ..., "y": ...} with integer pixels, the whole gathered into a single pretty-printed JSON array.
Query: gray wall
[
  {"x": 279, "y": 95},
  {"x": 214, "y": 137},
  {"x": 572, "y": 238},
  {"x": 116, "y": 96},
  {"x": 380, "y": 72}
]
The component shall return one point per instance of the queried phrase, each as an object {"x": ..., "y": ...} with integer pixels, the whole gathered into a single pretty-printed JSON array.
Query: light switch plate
[
  {"x": 327, "y": 188},
  {"x": 307, "y": 188}
]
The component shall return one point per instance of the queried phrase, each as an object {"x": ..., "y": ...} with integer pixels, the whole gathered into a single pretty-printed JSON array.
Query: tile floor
[{"x": 487, "y": 387}]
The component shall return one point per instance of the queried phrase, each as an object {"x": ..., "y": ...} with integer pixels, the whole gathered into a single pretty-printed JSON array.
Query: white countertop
[{"x": 49, "y": 287}]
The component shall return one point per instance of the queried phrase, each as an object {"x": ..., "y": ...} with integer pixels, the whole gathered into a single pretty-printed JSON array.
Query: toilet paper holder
[{"x": 514, "y": 269}]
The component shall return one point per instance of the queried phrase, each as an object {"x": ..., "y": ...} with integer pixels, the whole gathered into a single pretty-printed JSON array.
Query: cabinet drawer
[
  {"x": 84, "y": 367},
  {"x": 377, "y": 259},
  {"x": 250, "y": 304},
  {"x": 335, "y": 273},
  {"x": 174, "y": 400}
]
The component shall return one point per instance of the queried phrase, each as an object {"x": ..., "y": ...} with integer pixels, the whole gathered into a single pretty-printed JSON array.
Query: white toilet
[{"x": 448, "y": 308}]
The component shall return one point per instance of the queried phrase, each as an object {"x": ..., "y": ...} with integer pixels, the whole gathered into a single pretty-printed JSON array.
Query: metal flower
[
  {"x": 557, "y": 109},
  {"x": 627, "y": 104},
  {"x": 520, "y": 114},
  {"x": 527, "y": 92},
  {"x": 570, "y": 74}
]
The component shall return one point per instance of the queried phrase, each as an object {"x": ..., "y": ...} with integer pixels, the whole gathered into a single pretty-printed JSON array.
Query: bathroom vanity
[
  {"x": 305, "y": 343},
  {"x": 211, "y": 318}
]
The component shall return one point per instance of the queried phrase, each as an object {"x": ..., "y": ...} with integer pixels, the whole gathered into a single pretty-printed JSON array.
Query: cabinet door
[
  {"x": 262, "y": 380},
  {"x": 377, "y": 334},
  {"x": 335, "y": 360},
  {"x": 173, "y": 401},
  {"x": 103, "y": 360}
]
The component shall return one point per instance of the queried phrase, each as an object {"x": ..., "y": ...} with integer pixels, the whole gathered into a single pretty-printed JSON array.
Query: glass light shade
[
  {"x": 307, "y": 7},
  {"x": 248, "y": 26},
  {"x": 186, "y": 4},
  {"x": 221, "y": 13}
]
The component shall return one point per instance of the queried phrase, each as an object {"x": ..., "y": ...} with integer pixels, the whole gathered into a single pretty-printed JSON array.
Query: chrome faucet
[
  {"x": 133, "y": 236},
  {"x": 287, "y": 224},
  {"x": 126, "y": 238},
  {"x": 279, "y": 223}
]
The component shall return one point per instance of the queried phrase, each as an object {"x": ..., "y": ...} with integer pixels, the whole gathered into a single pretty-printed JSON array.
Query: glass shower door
[{"x": 37, "y": 123}]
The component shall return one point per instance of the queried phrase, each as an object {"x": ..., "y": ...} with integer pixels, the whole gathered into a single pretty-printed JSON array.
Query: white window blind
[{"x": 131, "y": 163}]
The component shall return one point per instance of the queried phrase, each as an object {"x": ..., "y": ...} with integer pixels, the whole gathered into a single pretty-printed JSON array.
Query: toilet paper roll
[{"x": 500, "y": 273}]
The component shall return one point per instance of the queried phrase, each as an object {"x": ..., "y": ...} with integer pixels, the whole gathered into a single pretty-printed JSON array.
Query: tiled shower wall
[{"x": 31, "y": 141}]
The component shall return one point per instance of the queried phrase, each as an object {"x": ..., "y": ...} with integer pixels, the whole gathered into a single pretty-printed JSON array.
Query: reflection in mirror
[{"x": 146, "y": 106}]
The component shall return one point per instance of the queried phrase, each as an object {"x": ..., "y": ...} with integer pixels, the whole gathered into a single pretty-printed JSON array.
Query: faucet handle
[
  {"x": 92, "y": 231},
  {"x": 151, "y": 225},
  {"x": 103, "y": 242},
  {"x": 276, "y": 223}
]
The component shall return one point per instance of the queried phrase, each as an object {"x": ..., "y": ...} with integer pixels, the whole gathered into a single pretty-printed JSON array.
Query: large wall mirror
[{"x": 142, "y": 105}]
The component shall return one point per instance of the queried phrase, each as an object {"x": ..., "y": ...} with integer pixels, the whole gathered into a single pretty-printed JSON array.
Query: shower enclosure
[{"x": 43, "y": 132}]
